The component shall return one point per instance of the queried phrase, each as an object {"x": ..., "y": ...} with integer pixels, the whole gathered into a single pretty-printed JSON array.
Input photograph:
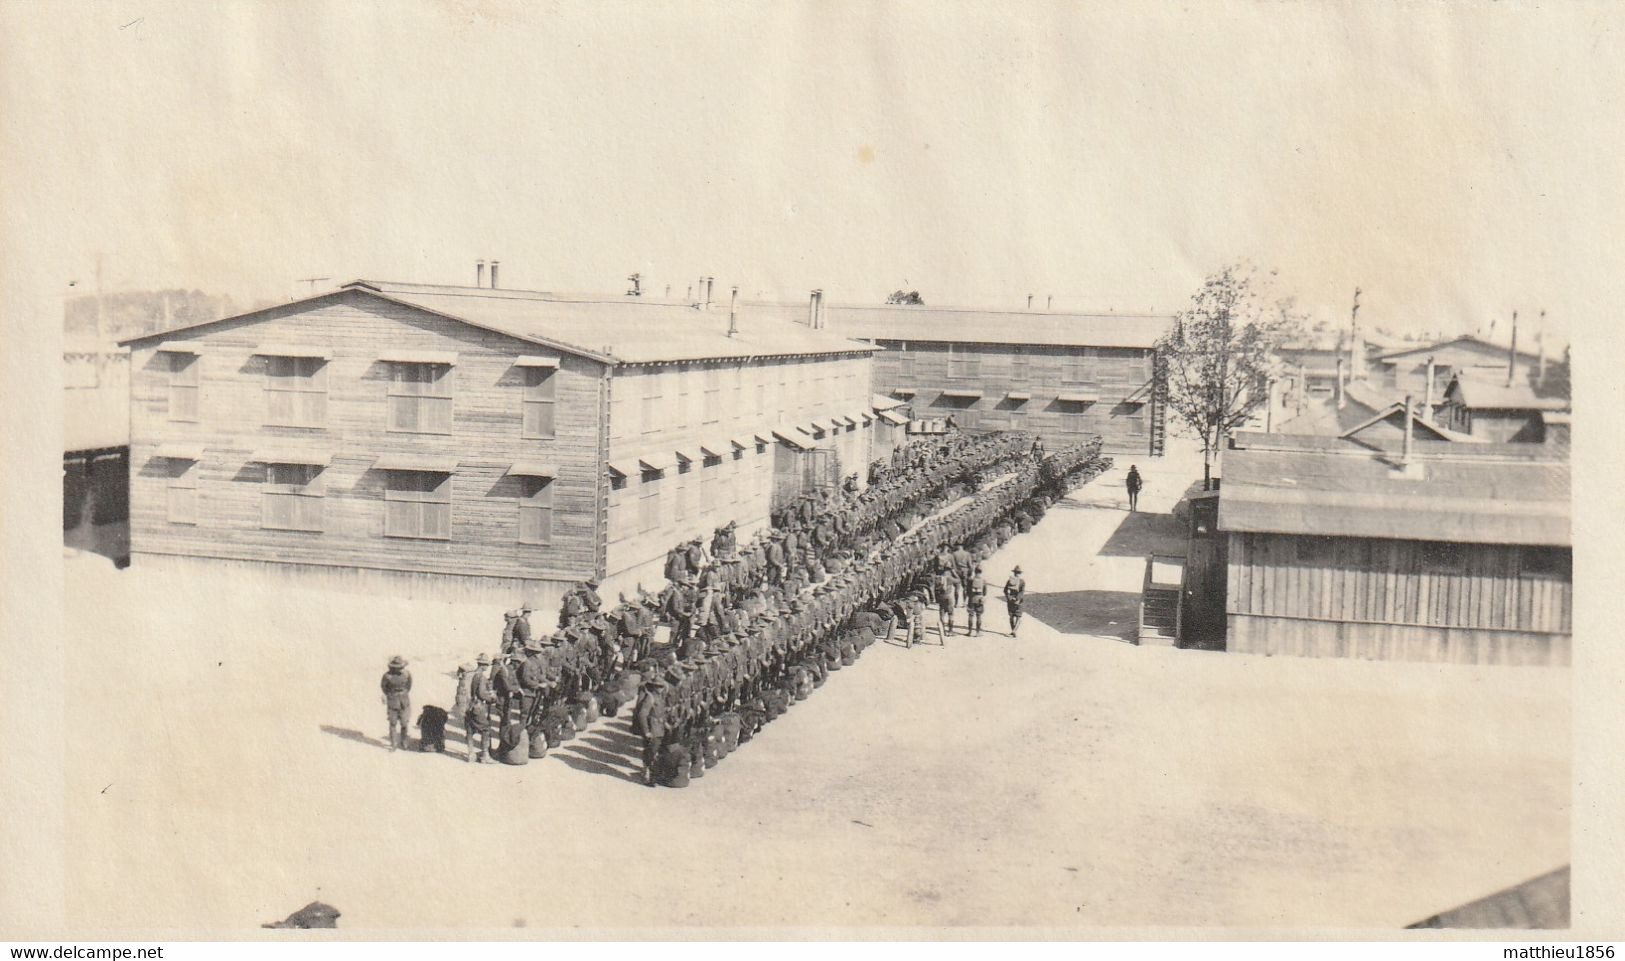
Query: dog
[{"x": 432, "y": 727}]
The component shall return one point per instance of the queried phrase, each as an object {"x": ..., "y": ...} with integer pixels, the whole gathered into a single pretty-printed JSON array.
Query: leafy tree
[
  {"x": 1219, "y": 358},
  {"x": 910, "y": 297}
]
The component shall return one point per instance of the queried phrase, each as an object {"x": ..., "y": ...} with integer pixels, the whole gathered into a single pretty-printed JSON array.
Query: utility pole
[{"x": 1356, "y": 349}]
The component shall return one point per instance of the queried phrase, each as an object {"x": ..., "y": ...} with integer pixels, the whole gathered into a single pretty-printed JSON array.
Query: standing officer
[
  {"x": 975, "y": 601},
  {"x": 397, "y": 687},
  {"x": 946, "y": 588},
  {"x": 1015, "y": 594},
  {"x": 964, "y": 567},
  {"x": 649, "y": 720},
  {"x": 1133, "y": 483}
]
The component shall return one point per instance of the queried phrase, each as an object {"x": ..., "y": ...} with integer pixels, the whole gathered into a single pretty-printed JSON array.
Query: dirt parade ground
[{"x": 226, "y": 764}]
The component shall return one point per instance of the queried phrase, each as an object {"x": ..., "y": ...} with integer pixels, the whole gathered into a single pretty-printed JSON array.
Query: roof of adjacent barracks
[
  {"x": 612, "y": 329},
  {"x": 971, "y": 326},
  {"x": 1320, "y": 486}
]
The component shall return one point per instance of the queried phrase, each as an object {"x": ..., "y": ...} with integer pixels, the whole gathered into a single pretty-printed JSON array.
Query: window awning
[
  {"x": 868, "y": 418},
  {"x": 621, "y": 468},
  {"x": 811, "y": 429},
  {"x": 744, "y": 443},
  {"x": 792, "y": 438},
  {"x": 532, "y": 468},
  {"x": 764, "y": 437},
  {"x": 904, "y": 392},
  {"x": 895, "y": 419},
  {"x": 655, "y": 461},
  {"x": 292, "y": 350},
  {"x": 716, "y": 448},
  {"x": 1019, "y": 395},
  {"x": 178, "y": 347},
  {"x": 960, "y": 392},
  {"x": 882, "y": 402},
  {"x": 685, "y": 456},
  {"x": 285, "y": 455},
  {"x": 181, "y": 451},
  {"x": 447, "y": 357},
  {"x": 1079, "y": 397},
  {"x": 536, "y": 360},
  {"x": 422, "y": 462},
  {"x": 835, "y": 423},
  {"x": 848, "y": 420}
]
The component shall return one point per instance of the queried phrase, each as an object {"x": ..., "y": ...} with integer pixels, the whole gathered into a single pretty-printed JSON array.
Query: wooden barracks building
[
  {"x": 476, "y": 443},
  {"x": 1064, "y": 376}
]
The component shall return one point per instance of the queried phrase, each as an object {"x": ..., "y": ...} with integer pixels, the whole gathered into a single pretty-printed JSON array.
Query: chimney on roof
[
  {"x": 1405, "y": 458},
  {"x": 1048, "y": 301},
  {"x": 708, "y": 282},
  {"x": 700, "y": 292},
  {"x": 1427, "y": 405},
  {"x": 1512, "y": 351},
  {"x": 1029, "y": 301},
  {"x": 479, "y": 273},
  {"x": 1341, "y": 400},
  {"x": 1540, "y": 346},
  {"x": 733, "y": 316},
  {"x": 812, "y": 309},
  {"x": 494, "y": 275}
]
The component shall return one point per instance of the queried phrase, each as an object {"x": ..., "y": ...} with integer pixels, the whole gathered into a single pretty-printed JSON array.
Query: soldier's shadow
[
  {"x": 591, "y": 761},
  {"x": 351, "y": 734}
]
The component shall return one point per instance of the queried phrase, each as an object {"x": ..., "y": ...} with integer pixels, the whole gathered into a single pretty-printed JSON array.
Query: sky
[{"x": 1452, "y": 160}]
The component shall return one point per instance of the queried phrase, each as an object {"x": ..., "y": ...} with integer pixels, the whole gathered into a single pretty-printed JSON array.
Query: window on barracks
[
  {"x": 181, "y": 495},
  {"x": 292, "y": 500},
  {"x": 712, "y": 409},
  {"x": 1546, "y": 562},
  {"x": 963, "y": 361},
  {"x": 296, "y": 391},
  {"x": 1020, "y": 368},
  {"x": 420, "y": 398},
  {"x": 649, "y": 501},
  {"x": 183, "y": 386},
  {"x": 651, "y": 402},
  {"x": 536, "y": 420},
  {"x": 1441, "y": 557},
  {"x": 535, "y": 510},
  {"x": 1076, "y": 368},
  {"x": 418, "y": 504},
  {"x": 905, "y": 363}
]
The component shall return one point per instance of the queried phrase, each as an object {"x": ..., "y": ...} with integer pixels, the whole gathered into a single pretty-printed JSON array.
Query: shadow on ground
[
  {"x": 1142, "y": 533},
  {"x": 1102, "y": 613}
]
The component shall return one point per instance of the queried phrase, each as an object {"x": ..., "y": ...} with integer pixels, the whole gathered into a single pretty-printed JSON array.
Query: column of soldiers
[{"x": 754, "y": 628}]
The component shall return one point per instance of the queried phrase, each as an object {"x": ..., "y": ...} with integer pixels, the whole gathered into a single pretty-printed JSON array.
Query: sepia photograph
[{"x": 830, "y": 470}]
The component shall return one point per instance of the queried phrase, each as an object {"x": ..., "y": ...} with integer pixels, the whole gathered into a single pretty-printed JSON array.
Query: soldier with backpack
[
  {"x": 1015, "y": 594},
  {"x": 975, "y": 602}
]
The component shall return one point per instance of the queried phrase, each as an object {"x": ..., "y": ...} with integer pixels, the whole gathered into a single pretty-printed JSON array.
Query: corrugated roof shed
[
  {"x": 960, "y": 325},
  {"x": 1351, "y": 491},
  {"x": 613, "y": 329}
]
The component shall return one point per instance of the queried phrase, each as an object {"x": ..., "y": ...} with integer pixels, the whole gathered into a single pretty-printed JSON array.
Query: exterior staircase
[{"x": 1159, "y": 600}]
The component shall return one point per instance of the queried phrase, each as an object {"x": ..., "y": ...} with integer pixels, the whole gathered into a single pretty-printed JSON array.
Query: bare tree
[{"x": 1219, "y": 358}]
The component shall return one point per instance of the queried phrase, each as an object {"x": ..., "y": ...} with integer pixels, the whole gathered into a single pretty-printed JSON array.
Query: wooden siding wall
[
  {"x": 1377, "y": 598},
  {"x": 356, "y": 329},
  {"x": 1117, "y": 374},
  {"x": 756, "y": 396}
]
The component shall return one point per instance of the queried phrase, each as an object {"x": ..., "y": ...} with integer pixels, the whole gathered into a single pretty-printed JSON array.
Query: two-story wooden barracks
[
  {"x": 1064, "y": 376},
  {"x": 480, "y": 444}
]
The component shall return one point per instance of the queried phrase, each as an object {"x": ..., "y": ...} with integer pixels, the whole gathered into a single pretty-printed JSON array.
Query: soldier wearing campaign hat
[{"x": 396, "y": 686}]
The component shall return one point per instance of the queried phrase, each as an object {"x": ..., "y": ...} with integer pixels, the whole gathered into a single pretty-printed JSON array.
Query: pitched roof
[
  {"x": 1476, "y": 394},
  {"x": 1397, "y": 410},
  {"x": 963, "y": 325},
  {"x": 1350, "y": 491},
  {"x": 609, "y": 329},
  {"x": 1465, "y": 340}
]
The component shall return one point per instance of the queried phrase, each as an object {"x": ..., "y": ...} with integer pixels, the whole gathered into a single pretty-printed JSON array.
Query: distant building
[
  {"x": 1427, "y": 368},
  {"x": 1063, "y": 376},
  {"x": 1513, "y": 413},
  {"x": 480, "y": 443},
  {"x": 1458, "y": 552}
]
